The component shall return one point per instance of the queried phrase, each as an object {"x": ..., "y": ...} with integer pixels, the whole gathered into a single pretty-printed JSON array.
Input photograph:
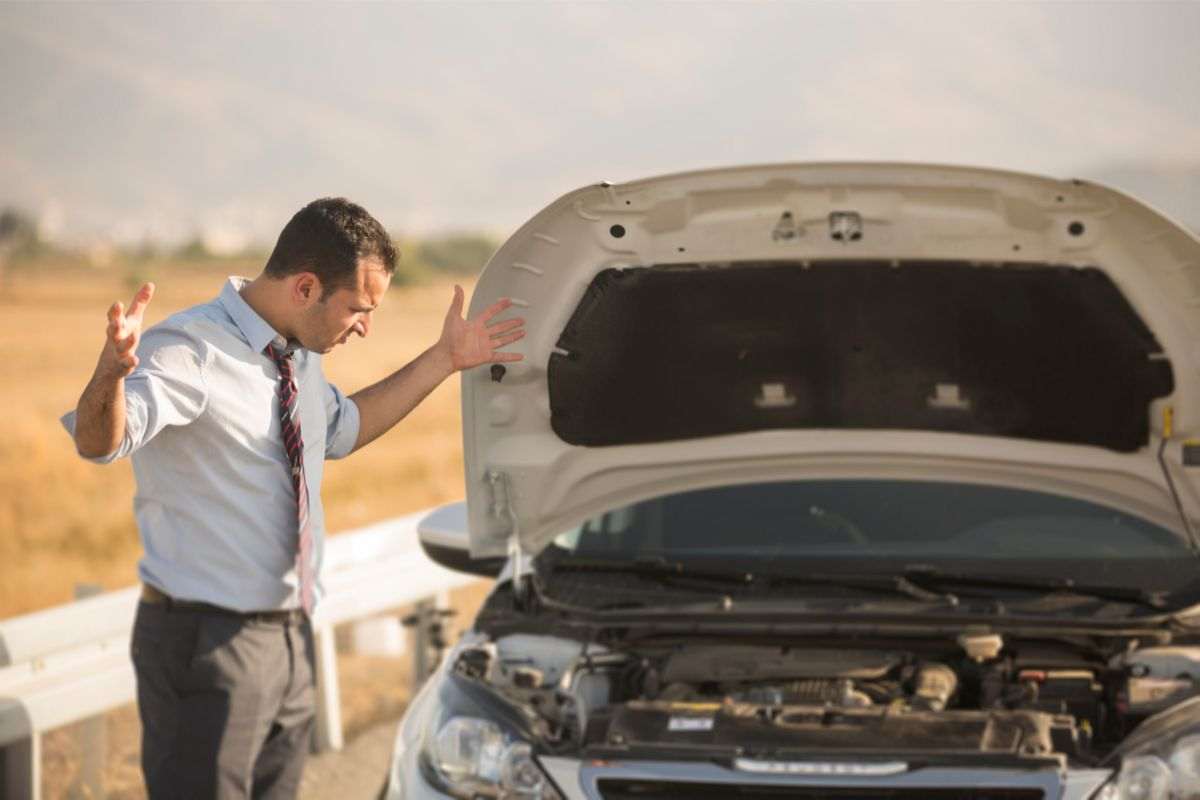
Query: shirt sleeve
[
  {"x": 167, "y": 388},
  {"x": 341, "y": 423}
]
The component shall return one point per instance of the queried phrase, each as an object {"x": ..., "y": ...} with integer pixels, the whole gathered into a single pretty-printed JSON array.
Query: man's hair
[{"x": 327, "y": 238}]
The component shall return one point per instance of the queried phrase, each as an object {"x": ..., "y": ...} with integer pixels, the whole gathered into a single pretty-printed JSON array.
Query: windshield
[{"x": 889, "y": 527}]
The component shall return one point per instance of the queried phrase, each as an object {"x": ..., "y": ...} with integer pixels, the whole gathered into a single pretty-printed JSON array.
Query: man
[{"x": 228, "y": 419}]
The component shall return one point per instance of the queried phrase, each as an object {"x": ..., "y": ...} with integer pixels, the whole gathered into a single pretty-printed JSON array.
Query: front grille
[{"x": 673, "y": 790}]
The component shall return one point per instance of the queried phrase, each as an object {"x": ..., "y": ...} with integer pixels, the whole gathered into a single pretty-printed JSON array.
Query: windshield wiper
[
  {"x": 920, "y": 583},
  {"x": 678, "y": 573},
  {"x": 931, "y": 576},
  {"x": 898, "y": 584},
  {"x": 661, "y": 570},
  {"x": 655, "y": 567}
]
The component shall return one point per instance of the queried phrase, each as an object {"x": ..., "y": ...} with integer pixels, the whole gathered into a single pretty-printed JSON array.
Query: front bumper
[{"x": 580, "y": 780}]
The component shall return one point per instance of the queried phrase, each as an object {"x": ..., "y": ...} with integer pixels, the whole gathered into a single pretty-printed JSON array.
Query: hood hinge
[{"x": 500, "y": 508}]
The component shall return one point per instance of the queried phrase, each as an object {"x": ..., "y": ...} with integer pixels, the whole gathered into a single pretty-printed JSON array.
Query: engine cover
[
  {"x": 659, "y": 726},
  {"x": 699, "y": 664}
]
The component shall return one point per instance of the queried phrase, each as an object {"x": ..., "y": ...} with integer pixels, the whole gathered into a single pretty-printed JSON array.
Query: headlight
[
  {"x": 1172, "y": 773},
  {"x": 467, "y": 750},
  {"x": 522, "y": 776},
  {"x": 471, "y": 757},
  {"x": 1140, "y": 778},
  {"x": 1185, "y": 766}
]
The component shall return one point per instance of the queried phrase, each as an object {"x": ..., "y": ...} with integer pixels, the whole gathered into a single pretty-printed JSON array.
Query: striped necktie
[{"x": 293, "y": 443}]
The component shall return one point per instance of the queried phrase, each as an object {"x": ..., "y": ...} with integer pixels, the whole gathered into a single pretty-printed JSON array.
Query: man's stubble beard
[{"x": 313, "y": 336}]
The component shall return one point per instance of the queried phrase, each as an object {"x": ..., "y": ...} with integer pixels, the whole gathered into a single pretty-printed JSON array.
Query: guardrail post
[
  {"x": 427, "y": 621},
  {"x": 329, "y": 703},
  {"x": 92, "y": 736},
  {"x": 421, "y": 667},
  {"x": 22, "y": 769}
]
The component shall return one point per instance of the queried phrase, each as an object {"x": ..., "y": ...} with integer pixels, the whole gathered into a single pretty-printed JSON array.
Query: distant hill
[{"x": 1173, "y": 189}]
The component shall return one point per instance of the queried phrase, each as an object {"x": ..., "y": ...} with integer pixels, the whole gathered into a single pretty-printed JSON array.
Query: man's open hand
[
  {"x": 119, "y": 356},
  {"x": 470, "y": 343}
]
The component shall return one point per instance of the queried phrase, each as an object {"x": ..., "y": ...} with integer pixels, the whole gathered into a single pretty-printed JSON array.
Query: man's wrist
[
  {"x": 442, "y": 359},
  {"x": 108, "y": 373}
]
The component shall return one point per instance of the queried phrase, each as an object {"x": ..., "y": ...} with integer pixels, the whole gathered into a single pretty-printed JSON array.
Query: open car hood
[{"x": 834, "y": 320}]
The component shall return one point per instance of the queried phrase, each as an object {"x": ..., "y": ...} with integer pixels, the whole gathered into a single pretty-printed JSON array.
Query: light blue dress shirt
[{"x": 214, "y": 503}]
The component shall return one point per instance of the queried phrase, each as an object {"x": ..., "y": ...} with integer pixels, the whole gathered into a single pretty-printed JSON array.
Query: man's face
[{"x": 347, "y": 311}]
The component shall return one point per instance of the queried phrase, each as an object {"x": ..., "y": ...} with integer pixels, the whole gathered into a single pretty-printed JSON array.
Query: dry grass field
[{"x": 65, "y": 522}]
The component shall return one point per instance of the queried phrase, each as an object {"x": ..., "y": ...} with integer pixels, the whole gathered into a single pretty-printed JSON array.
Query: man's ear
[{"x": 306, "y": 290}]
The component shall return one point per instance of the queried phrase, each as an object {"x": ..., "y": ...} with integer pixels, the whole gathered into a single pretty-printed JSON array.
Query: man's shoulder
[
  {"x": 195, "y": 334},
  {"x": 204, "y": 322}
]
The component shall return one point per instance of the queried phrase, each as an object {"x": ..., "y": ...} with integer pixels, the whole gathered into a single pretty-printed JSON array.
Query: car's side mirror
[{"x": 444, "y": 538}]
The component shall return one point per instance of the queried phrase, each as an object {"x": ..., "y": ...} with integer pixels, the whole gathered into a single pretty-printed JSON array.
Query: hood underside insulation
[{"x": 1040, "y": 352}]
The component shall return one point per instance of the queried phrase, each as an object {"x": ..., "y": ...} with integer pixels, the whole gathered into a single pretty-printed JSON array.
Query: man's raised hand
[
  {"x": 470, "y": 343},
  {"x": 119, "y": 357}
]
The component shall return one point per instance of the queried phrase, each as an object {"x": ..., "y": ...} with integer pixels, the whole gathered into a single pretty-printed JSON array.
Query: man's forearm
[
  {"x": 100, "y": 416},
  {"x": 383, "y": 404}
]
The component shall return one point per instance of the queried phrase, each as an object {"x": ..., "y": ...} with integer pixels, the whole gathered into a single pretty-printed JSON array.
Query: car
[{"x": 838, "y": 480}]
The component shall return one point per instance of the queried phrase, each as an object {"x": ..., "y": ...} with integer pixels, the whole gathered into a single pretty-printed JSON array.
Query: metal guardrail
[{"x": 71, "y": 662}]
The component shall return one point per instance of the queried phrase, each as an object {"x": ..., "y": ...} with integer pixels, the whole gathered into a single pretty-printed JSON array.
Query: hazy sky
[{"x": 161, "y": 120}]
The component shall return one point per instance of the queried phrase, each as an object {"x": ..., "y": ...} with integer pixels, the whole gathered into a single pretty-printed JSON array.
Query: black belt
[{"x": 157, "y": 597}]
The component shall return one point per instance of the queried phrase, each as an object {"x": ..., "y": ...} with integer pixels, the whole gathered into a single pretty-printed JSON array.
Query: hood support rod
[
  {"x": 1167, "y": 429},
  {"x": 501, "y": 508}
]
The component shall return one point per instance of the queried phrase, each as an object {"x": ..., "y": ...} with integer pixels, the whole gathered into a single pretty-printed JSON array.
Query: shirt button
[{"x": 296, "y": 470}]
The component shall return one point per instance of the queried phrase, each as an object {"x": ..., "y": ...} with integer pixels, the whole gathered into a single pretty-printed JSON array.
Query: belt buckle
[{"x": 154, "y": 596}]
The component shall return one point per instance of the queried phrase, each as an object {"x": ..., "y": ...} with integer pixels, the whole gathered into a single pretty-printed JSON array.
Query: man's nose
[{"x": 362, "y": 326}]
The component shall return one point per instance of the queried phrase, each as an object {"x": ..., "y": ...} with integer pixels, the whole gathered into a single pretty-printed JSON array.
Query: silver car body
[{"x": 525, "y": 484}]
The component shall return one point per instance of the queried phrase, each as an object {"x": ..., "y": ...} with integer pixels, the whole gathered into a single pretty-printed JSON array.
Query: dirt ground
[{"x": 357, "y": 772}]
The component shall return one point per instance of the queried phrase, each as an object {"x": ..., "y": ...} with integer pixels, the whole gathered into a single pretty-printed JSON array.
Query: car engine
[{"x": 980, "y": 698}]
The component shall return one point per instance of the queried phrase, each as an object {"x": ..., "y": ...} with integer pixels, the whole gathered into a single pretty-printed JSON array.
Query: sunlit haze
[{"x": 133, "y": 122}]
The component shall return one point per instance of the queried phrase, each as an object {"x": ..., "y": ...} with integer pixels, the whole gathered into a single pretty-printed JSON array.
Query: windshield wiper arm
[
  {"x": 653, "y": 567},
  {"x": 898, "y": 584},
  {"x": 1121, "y": 594},
  {"x": 664, "y": 572}
]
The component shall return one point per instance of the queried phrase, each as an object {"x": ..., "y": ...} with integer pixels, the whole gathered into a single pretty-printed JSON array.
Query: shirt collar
[{"x": 255, "y": 330}]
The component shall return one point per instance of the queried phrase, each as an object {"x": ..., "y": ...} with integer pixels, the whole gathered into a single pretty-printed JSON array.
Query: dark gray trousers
[{"x": 226, "y": 703}]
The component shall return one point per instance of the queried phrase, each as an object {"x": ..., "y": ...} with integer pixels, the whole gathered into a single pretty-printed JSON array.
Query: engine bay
[{"x": 980, "y": 699}]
